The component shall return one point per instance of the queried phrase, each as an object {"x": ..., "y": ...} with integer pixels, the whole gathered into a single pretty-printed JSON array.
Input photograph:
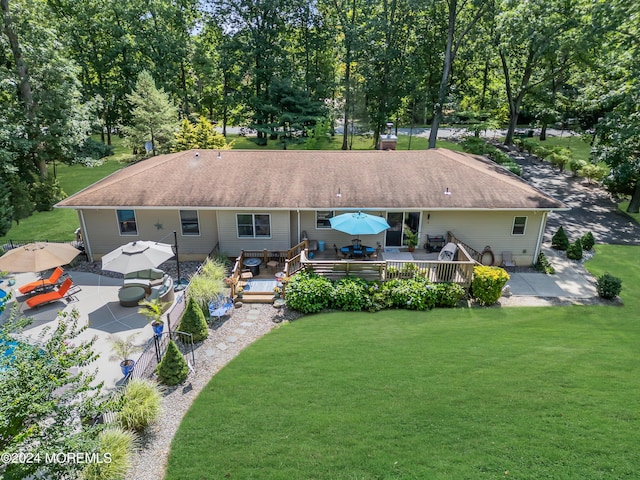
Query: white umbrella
[{"x": 136, "y": 256}]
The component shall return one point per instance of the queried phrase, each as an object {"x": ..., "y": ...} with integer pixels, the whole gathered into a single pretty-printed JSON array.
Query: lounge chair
[
  {"x": 44, "y": 298},
  {"x": 507, "y": 260},
  {"x": 41, "y": 284}
]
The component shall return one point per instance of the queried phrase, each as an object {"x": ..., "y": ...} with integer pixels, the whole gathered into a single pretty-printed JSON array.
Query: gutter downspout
[
  {"x": 543, "y": 225},
  {"x": 85, "y": 238},
  {"x": 298, "y": 212}
]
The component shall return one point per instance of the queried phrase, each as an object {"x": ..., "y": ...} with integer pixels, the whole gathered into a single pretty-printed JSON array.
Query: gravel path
[{"x": 244, "y": 326}]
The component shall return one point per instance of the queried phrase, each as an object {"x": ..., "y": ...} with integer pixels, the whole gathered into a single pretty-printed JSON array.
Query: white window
[
  {"x": 189, "y": 222},
  {"x": 127, "y": 222},
  {"x": 254, "y": 225},
  {"x": 322, "y": 218},
  {"x": 519, "y": 226}
]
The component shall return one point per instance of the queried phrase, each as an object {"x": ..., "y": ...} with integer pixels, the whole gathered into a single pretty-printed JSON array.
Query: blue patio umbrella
[{"x": 358, "y": 223}]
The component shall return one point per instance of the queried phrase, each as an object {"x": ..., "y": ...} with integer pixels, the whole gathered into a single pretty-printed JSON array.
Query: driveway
[{"x": 592, "y": 207}]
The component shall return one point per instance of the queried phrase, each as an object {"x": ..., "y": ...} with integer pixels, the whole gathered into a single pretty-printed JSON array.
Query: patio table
[
  {"x": 253, "y": 264},
  {"x": 362, "y": 251}
]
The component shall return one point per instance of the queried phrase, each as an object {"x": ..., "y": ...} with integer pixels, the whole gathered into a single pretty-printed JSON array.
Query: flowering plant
[
  {"x": 277, "y": 290},
  {"x": 230, "y": 281}
]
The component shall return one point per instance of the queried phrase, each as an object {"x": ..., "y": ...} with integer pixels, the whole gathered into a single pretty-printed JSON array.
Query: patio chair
[
  {"x": 49, "y": 297},
  {"x": 507, "y": 260},
  {"x": 42, "y": 284}
]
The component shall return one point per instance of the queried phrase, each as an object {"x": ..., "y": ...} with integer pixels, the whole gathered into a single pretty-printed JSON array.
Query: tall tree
[
  {"x": 471, "y": 12},
  {"x": 154, "y": 117},
  {"x": 536, "y": 41}
]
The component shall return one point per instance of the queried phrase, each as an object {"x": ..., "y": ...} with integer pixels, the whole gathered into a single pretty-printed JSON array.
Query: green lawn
[
  {"x": 523, "y": 393},
  {"x": 360, "y": 142},
  {"x": 579, "y": 148}
]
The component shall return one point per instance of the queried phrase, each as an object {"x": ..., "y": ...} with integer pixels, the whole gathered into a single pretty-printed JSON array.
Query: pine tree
[
  {"x": 194, "y": 322},
  {"x": 560, "y": 241},
  {"x": 173, "y": 368},
  {"x": 154, "y": 117}
]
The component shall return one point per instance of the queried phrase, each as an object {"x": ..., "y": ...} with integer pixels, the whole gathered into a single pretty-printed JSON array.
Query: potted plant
[
  {"x": 153, "y": 310},
  {"x": 277, "y": 291},
  {"x": 410, "y": 238},
  {"x": 123, "y": 349},
  {"x": 239, "y": 292}
]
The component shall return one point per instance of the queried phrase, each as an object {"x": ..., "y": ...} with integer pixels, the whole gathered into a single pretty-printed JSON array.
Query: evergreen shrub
[
  {"x": 543, "y": 264},
  {"x": 560, "y": 241},
  {"x": 173, "y": 368},
  {"x": 576, "y": 165},
  {"x": 588, "y": 241},
  {"x": 488, "y": 283},
  {"x": 574, "y": 251},
  {"x": 608, "y": 286},
  {"x": 194, "y": 322}
]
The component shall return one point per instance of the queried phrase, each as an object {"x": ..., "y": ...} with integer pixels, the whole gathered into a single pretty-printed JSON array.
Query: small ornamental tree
[
  {"x": 560, "y": 241},
  {"x": 608, "y": 286},
  {"x": 574, "y": 252},
  {"x": 173, "y": 368},
  {"x": 46, "y": 406},
  {"x": 588, "y": 241},
  {"x": 194, "y": 322}
]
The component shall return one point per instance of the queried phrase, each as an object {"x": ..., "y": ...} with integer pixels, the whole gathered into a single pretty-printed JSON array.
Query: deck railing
[{"x": 457, "y": 271}]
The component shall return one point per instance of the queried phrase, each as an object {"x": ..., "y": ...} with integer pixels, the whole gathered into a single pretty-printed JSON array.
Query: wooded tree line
[{"x": 69, "y": 67}]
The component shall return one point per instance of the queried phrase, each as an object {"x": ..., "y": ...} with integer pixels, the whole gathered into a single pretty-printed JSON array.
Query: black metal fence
[{"x": 146, "y": 365}]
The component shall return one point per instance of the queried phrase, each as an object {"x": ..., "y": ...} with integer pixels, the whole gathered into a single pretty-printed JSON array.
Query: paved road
[{"x": 592, "y": 208}]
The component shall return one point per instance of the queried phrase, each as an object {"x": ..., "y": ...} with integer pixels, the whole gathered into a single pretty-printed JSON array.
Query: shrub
[
  {"x": 208, "y": 283},
  {"x": 575, "y": 165},
  {"x": 448, "y": 294},
  {"x": 378, "y": 297},
  {"x": 194, "y": 322},
  {"x": 488, "y": 283},
  {"x": 574, "y": 251},
  {"x": 173, "y": 368},
  {"x": 528, "y": 145},
  {"x": 588, "y": 241},
  {"x": 543, "y": 265},
  {"x": 412, "y": 293},
  {"x": 608, "y": 286},
  {"x": 351, "y": 294},
  {"x": 119, "y": 444},
  {"x": 140, "y": 405},
  {"x": 309, "y": 293},
  {"x": 46, "y": 193},
  {"x": 594, "y": 172},
  {"x": 560, "y": 241},
  {"x": 558, "y": 159}
]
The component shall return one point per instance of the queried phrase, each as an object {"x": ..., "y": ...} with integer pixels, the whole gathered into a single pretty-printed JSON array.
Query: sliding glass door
[{"x": 397, "y": 221}]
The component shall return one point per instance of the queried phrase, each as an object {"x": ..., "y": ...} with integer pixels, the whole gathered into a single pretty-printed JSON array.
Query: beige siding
[
  {"x": 104, "y": 235},
  {"x": 231, "y": 244},
  {"x": 493, "y": 229},
  {"x": 330, "y": 236}
]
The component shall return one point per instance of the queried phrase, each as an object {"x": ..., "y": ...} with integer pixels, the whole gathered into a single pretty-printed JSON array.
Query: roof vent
[{"x": 197, "y": 154}]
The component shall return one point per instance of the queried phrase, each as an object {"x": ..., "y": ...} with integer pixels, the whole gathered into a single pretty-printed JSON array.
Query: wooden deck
[{"x": 390, "y": 264}]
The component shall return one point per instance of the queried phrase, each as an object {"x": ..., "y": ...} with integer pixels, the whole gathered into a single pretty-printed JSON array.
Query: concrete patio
[{"x": 96, "y": 300}]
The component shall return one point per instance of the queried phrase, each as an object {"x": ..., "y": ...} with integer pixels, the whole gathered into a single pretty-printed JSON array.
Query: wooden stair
[{"x": 257, "y": 297}]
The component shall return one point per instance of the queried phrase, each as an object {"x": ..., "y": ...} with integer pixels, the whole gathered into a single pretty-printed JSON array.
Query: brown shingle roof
[{"x": 292, "y": 179}]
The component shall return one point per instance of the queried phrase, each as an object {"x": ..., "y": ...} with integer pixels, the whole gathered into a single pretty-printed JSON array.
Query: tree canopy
[{"x": 72, "y": 67}]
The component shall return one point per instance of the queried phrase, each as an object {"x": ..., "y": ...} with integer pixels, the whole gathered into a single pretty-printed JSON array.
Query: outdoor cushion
[
  {"x": 148, "y": 274},
  {"x": 137, "y": 282}
]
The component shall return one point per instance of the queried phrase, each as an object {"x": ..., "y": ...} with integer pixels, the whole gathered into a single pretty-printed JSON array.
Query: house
[{"x": 255, "y": 200}]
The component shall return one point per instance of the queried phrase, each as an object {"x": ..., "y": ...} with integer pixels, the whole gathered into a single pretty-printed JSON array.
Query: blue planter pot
[
  {"x": 158, "y": 328},
  {"x": 127, "y": 367}
]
